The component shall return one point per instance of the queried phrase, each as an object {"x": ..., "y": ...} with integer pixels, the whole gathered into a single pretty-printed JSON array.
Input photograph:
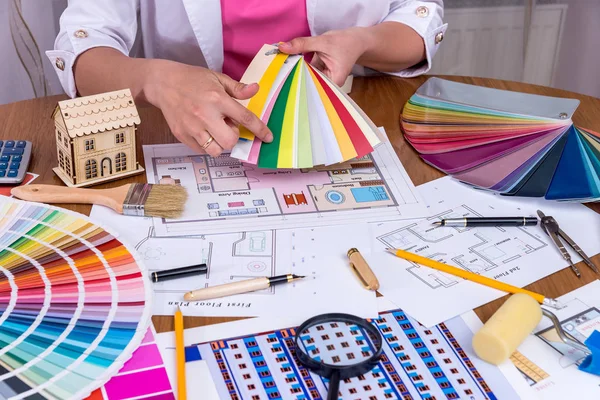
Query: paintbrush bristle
[{"x": 165, "y": 201}]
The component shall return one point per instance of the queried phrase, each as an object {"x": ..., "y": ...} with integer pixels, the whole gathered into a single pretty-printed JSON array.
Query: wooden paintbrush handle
[
  {"x": 51, "y": 194},
  {"x": 227, "y": 289}
]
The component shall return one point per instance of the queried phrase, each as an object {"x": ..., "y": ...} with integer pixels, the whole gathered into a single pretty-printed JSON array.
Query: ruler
[{"x": 527, "y": 367}]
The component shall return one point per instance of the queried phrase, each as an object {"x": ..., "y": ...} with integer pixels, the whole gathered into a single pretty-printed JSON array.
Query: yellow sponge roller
[{"x": 507, "y": 328}]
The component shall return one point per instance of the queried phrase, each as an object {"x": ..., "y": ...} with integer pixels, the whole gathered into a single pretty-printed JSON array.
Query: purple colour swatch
[
  {"x": 491, "y": 173},
  {"x": 144, "y": 357},
  {"x": 520, "y": 172},
  {"x": 126, "y": 386},
  {"x": 462, "y": 160}
]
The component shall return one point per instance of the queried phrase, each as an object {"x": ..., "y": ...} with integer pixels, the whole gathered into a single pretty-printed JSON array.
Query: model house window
[
  {"x": 91, "y": 169},
  {"x": 68, "y": 166},
  {"x": 66, "y": 141},
  {"x": 61, "y": 160},
  {"x": 58, "y": 135},
  {"x": 119, "y": 138},
  {"x": 90, "y": 144},
  {"x": 121, "y": 162}
]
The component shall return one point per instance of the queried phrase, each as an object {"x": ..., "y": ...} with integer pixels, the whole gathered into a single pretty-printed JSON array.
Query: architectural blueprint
[
  {"x": 257, "y": 362},
  {"x": 516, "y": 255},
  {"x": 550, "y": 367},
  {"x": 229, "y": 196},
  {"x": 318, "y": 254},
  {"x": 476, "y": 250}
]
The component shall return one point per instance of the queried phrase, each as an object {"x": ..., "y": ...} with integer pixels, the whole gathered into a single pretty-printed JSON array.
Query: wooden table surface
[{"x": 382, "y": 98}]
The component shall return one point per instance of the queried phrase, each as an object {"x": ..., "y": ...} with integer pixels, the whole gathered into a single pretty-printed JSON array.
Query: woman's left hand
[{"x": 335, "y": 52}]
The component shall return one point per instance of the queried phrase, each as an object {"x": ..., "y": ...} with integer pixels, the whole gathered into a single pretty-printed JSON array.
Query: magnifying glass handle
[{"x": 334, "y": 386}]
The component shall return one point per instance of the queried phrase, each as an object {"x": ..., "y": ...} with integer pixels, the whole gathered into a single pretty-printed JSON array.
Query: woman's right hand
[{"x": 199, "y": 104}]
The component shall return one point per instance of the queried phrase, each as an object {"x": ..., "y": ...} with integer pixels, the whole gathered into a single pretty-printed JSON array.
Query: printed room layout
[
  {"x": 226, "y": 195},
  {"x": 476, "y": 250},
  {"x": 227, "y": 188},
  {"x": 245, "y": 255}
]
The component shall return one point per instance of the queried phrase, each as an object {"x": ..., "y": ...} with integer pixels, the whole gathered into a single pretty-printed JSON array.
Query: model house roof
[{"x": 98, "y": 113}]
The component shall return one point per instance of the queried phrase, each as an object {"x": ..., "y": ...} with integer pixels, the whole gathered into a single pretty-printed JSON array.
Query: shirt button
[
  {"x": 439, "y": 37},
  {"x": 422, "y": 11},
  {"x": 60, "y": 64},
  {"x": 80, "y": 34}
]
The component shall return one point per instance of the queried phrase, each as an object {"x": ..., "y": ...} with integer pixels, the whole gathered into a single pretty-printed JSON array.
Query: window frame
[
  {"x": 119, "y": 138},
  {"x": 91, "y": 168},
  {"x": 89, "y": 144},
  {"x": 120, "y": 162}
]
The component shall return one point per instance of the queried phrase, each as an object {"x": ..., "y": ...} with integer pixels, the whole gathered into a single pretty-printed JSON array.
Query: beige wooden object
[
  {"x": 362, "y": 270},
  {"x": 95, "y": 138},
  {"x": 227, "y": 289},
  {"x": 51, "y": 194},
  {"x": 134, "y": 199}
]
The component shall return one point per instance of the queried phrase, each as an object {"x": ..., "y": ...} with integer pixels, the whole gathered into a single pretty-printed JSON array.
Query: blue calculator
[{"x": 14, "y": 160}]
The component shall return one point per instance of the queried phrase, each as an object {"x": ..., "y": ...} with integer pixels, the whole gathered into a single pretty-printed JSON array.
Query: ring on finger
[{"x": 207, "y": 143}]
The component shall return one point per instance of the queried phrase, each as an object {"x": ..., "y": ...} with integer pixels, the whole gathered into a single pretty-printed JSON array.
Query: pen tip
[
  {"x": 437, "y": 223},
  {"x": 389, "y": 250},
  {"x": 298, "y": 276}
]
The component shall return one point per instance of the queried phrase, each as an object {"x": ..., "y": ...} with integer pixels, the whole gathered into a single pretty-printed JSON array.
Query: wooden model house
[{"x": 95, "y": 138}]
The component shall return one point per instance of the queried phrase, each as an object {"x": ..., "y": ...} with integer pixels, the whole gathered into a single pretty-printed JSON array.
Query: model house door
[{"x": 106, "y": 167}]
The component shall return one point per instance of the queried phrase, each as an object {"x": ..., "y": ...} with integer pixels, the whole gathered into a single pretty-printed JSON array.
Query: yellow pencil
[
  {"x": 180, "y": 350},
  {"x": 482, "y": 280}
]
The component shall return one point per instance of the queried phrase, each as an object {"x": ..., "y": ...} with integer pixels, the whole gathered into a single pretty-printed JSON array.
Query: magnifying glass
[{"x": 338, "y": 346}]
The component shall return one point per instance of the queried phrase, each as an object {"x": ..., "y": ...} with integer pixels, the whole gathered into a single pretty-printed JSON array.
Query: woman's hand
[
  {"x": 199, "y": 104},
  {"x": 335, "y": 52},
  {"x": 387, "y": 47}
]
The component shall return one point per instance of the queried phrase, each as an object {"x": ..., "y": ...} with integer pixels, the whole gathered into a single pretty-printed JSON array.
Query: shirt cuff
[
  {"x": 425, "y": 18},
  {"x": 72, "y": 42}
]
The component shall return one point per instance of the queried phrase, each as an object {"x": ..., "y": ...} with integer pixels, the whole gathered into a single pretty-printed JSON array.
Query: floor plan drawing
[
  {"x": 476, "y": 250},
  {"x": 227, "y": 195},
  {"x": 251, "y": 256},
  {"x": 233, "y": 257},
  {"x": 514, "y": 255},
  {"x": 231, "y": 188}
]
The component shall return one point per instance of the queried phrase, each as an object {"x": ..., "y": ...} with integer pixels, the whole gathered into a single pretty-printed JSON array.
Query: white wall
[
  {"x": 578, "y": 68},
  {"x": 25, "y": 40},
  {"x": 489, "y": 42}
]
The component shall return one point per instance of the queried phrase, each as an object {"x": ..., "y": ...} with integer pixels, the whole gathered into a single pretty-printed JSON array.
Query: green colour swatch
[{"x": 269, "y": 152}]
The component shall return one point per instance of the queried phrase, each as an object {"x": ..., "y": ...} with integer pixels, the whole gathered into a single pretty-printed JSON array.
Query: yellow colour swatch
[
  {"x": 341, "y": 135},
  {"x": 266, "y": 80},
  {"x": 288, "y": 131}
]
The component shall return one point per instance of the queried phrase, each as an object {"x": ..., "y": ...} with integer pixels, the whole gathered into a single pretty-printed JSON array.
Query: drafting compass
[{"x": 551, "y": 228}]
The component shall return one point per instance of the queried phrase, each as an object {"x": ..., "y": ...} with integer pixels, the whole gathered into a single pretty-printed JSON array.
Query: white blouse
[{"x": 191, "y": 32}]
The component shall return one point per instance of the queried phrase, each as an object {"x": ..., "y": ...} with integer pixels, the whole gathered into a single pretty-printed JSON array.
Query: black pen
[
  {"x": 488, "y": 221},
  {"x": 176, "y": 273}
]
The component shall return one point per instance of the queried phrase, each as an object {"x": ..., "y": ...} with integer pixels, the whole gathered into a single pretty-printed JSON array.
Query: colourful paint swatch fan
[
  {"x": 506, "y": 142},
  {"x": 313, "y": 121},
  {"x": 73, "y": 303}
]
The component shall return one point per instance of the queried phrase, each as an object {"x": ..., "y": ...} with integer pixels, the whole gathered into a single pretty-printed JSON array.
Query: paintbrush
[{"x": 135, "y": 199}]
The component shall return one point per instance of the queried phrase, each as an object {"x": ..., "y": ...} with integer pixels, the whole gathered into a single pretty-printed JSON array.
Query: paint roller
[{"x": 515, "y": 320}]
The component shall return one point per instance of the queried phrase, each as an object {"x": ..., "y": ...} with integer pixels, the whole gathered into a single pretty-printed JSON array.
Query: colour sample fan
[
  {"x": 511, "y": 143},
  {"x": 73, "y": 303},
  {"x": 312, "y": 120}
]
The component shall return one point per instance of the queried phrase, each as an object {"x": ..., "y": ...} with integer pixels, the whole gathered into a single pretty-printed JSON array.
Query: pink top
[{"x": 249, "y": 24}]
